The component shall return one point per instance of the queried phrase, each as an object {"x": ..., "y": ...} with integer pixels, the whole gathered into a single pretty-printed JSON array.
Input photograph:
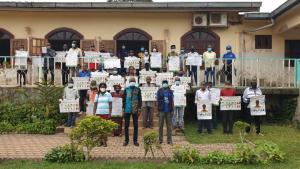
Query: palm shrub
[
  {"x": 151, "y": 141},
  {"x": 90, "y": 132}
]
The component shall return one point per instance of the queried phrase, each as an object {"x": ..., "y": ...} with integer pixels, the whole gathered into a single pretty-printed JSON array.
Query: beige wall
[{"x": 107, "y": 24}]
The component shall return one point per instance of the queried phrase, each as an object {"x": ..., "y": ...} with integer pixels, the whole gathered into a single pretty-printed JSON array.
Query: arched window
[
  {"x": 4, "y": 34},
  {"x": 64, "y": 34},
  {"x": 133, "y": 34},
  {"x": 200, "y": 39}
]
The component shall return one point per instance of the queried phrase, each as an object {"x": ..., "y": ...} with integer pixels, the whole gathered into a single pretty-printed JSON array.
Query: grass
[{"x": 286, "y": 137}]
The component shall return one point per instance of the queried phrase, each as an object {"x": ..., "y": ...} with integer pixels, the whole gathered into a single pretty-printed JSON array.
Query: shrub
[
  {"x": 269, "y": 152},
  {"x": 241, "y": 127},
  {"x": 66, "y": 153},
  {"x": 6, "y": 127},
  {"x": 246, "y": 154},
  {"x": 91, "y": 131},
  {"x": 186, "y": 155},
  {"x": 218, "y": 157},
  {"x": 37, "y": 127},
  {"x": 150, "y": 140}
]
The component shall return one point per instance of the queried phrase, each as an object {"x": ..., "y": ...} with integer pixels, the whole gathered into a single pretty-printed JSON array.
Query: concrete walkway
[{"x": 24, "y": 146}]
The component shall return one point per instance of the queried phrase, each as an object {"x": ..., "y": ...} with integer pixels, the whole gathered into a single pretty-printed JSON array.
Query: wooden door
[
  {"x": 16, "y": 44},
  {"x": 108, "y": 46},
  {"x": 35, "y": 46}
]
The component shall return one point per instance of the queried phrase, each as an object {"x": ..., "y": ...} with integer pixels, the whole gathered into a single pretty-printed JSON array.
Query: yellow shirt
[{"x": 209, "y": 59}]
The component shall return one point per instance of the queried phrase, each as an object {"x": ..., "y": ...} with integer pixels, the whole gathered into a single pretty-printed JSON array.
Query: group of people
[{"x": 228, "y": 116}]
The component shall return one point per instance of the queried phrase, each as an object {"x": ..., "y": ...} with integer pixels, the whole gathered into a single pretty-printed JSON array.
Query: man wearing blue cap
[{"x": 228, "y": 59}]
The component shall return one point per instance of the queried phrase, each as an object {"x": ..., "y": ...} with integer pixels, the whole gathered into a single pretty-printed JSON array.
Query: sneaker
[
  {"x": 136, "y": 144},
  {"x": 260, "y": 134},
  {"x": 125, "y": 144}
]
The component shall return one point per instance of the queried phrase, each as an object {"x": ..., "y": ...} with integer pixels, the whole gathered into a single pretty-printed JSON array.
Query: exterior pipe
[{"x": 263, "y": 27}]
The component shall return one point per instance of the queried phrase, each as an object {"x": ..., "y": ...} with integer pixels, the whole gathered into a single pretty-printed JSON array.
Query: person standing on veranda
[
  {"x": 165, "y": 100},
  {"x": 132, "y": 104},
  {"x": 209, "y": 58}
]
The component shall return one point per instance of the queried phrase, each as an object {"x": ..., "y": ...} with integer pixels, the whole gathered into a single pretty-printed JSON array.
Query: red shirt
[{"x": 228, "y": 92}]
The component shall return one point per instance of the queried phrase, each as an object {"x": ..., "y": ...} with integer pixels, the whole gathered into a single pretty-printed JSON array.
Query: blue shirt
[
  {"x": 85, "y": 74},
  {"x": 166, "y": 105},
  {"x": 229, "y": 56}
]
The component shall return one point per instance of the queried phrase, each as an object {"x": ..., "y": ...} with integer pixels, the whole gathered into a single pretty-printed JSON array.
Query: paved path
[{"x": 24, "y": 146}]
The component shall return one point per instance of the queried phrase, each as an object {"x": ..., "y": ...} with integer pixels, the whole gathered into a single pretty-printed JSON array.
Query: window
[{"x": 263, "y": 41}]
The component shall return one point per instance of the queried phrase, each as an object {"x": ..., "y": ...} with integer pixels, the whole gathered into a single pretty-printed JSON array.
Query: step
[{"x": 141, "y": 131}]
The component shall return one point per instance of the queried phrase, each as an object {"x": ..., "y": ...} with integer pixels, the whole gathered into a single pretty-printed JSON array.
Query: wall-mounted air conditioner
[
  {"x": 218, "y": 19},
  {"x": 200, "y": 19}
]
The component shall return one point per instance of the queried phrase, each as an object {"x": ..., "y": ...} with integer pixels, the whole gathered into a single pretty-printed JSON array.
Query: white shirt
[
  {"x": 202, "y": 95},
  {"x": 249, "y": 93},
  {"x": 176, "y": 88}
]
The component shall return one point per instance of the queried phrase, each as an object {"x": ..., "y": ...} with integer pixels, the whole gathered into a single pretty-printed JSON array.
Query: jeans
[
  {"x": 250, "y": 119},
  {"x": 214, "y": 116},
  {"x": 148, "y": 117},
  {"x": 204, "y": 124},
  {"x": 20, "y": 74},
  {"x": 178, "y": 115},
  {"x": 193, "y": 72},
  {"x": 65, "y": 74},
  {"x": 168, "y": 118},
  {"x": 227, "y": 119},
  {"x": 228, "y": 72},
  {"x": 71, "y": 119},
  {"x": 135, "y": 127},
  {"x": 45, "y": 70},
  {"x": 82, "y": 99},
  {"x": 210, "y": 71}
]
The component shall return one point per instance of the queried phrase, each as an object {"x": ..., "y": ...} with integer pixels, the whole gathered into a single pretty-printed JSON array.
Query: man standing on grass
[
  {"x": 165, "y": 100},
  {"x": 132, "y": 103}
]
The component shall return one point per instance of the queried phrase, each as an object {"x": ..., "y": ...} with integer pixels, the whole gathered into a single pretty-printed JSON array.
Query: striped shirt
[{"x": 103, "y": 101}]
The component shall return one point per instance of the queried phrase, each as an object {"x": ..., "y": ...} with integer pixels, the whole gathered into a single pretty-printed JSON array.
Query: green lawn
[{"x": 286, "y": 137}]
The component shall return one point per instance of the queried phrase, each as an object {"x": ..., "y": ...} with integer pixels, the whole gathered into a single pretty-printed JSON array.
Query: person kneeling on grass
[
  {"x": 103, "y": 106},
  {"x": 71, "y": 93}
]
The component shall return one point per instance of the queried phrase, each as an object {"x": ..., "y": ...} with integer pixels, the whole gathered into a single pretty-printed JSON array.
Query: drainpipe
[{"x": 263, "y": 27}]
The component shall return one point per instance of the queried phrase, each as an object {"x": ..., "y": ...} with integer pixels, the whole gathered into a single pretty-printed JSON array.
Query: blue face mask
[
  {"x": 142, "y": 49},
  {"x": 209, "y": 49},
  {"x": 165, "y": 85}
]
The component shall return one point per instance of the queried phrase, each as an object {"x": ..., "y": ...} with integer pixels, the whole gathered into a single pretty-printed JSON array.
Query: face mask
[
  {"x": 102, "y": 90},
  {"x": 154, "y": 50},
  {"x": 123, "y": 47},
  {"x": 70, "y": 85},
  {"x": 165, "y": 85},
  {"x": 146, "y": 53},
  {"x": 177, "y": 83},
  {"x": 209, "y": 49},
  {"x": 142, "y": 49},
  {"x": 73, "y": 45},
  {"x": 228, "y": 51},
  {"x": 182, "y": 51},
  {"x": 131, "y": 84},
  {"x": 48, "y": 47},
  {"x": 115, "y": 72},
  {"x": 172, "y": 50}
]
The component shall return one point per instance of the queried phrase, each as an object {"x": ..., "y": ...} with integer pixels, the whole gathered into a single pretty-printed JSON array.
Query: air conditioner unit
[
  {"x": 218, "y": 19},
  {"x": 200, "y": 19}
]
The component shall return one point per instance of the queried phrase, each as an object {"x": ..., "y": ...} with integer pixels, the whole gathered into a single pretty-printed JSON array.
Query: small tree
[
  {"x": 151, "y": 140},
  {"x": 241, "y": 127},
  {"x": 90, "y": 132}
]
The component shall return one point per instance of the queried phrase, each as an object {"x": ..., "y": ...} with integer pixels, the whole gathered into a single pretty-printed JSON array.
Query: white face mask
[
  {"x": 165, "y": 85},
  {"x": 102, "y": 90},
  {"x": 172, "y": 50},
  {"x": 73, "y": 45},
  {"x": 177, "y": 83},
  {"x": 131, "y": 83},
  {"x": 154, "y": 50},
  {"x": 228, "y": 51},
  {"x": 146, "y": 53}
]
